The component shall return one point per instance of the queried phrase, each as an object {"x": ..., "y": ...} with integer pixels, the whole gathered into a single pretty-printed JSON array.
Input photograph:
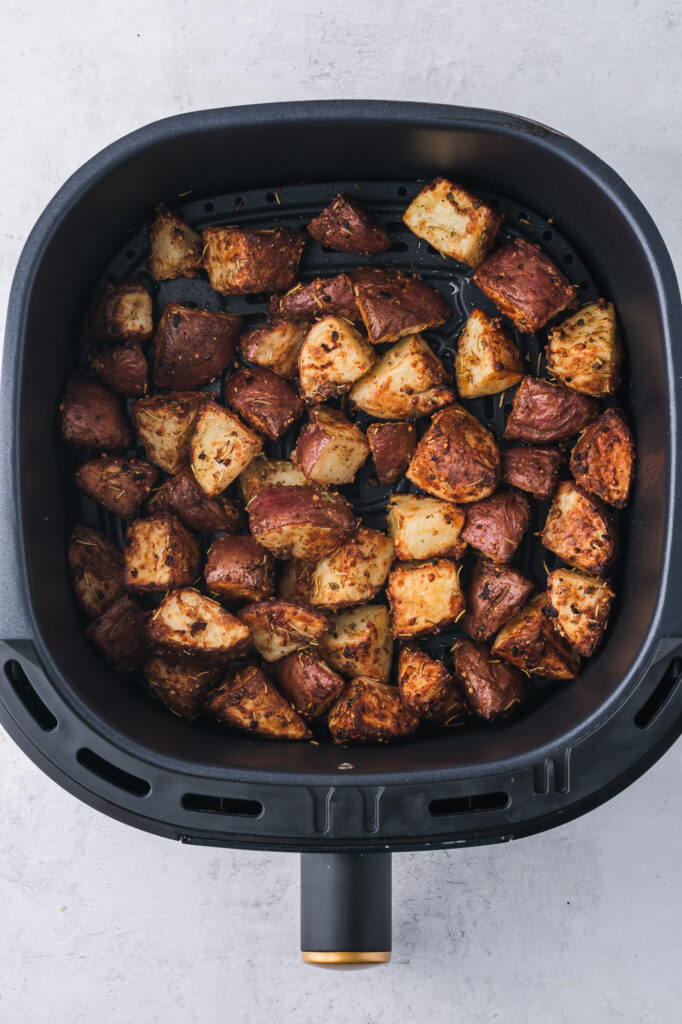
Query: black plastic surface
[{"x": 346, "y": 902}]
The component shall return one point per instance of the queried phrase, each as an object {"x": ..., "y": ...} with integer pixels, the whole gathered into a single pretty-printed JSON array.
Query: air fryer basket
[{"x": 106, "y": 741}]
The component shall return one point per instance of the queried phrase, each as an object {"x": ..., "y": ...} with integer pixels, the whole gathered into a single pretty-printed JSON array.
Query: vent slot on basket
[
  {"x": 468, "y": 804},
  {"x": 658, "y": 698},
  {"x": 111, "y": 773},
  {"x": 39, "y": 712},
  {"x": 222, "y": 805}
]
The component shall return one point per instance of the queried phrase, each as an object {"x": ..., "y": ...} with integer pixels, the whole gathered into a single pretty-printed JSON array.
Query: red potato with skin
[
  {"x": 496, "y": 525},
  {"x": 492, "y": 689},
  {"x": 175, "y": 247},
  {"x": 263, "y": 400},
  {"x": 96, "y": 567},
  {"x": 120, "y": 634},
  {"x": 325, "y": 296},
  {"x": 295, "y": 582},
  {"x": 281, "y": 627},
  {"x": 188, "y": 623},
  {"x": 330, "y": 449},
  {"x": 165, "y": 424},
  {"x": 239, "y": 261},
  {"x": 300, "y": 522},
  {"x": 344, "y": 225},
  {"x": 544, "y": 412},
  {"x": 181, "y": 684},
  {"x": 91, "y": 417},
  {"x": 393, "y": 304},
  {"x": 495, "y": 593},
  {"x": 248, "y": 701},
  {"x": 529, "y": 641},
  {"x": 578, "y": 607},
  {"x": 121, "y": 312},
  {"x": 308, "y": 683},
  {"x": 359, "y": 642},
  {"x": 457, "y": 459},
  {"x": 370, "y": 712},
  {"x": 428, "y": 689},
  {"x": 275, "y": 345},
  {"x": 193, "y": 346},
  {"x": 263, "y": 473},
  {"x": 118, "y": 484},
  {"x": 392, "y": 446},
  {"x": 453, "y": 221},
  {"x": 532, "y": 468},
  {"x": 123, "y": 369},
  {"x": 239, "y": 569},
  {"x": 183, "y": 496},
  {"x": 603, "y": 460}
]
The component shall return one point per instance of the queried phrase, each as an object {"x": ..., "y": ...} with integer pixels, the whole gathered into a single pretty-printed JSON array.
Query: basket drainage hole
[
  {"x": 38, "y": 711},
  {"x": 402, "y": 191},
  {"x": 209, "y": 207},
  {"x": 111, "y": 773},
  {"x": 658, "y": 698},
  {"x": 467, "y": 804},
  {"x": 398, "y": 247},
  {"x": 222, "y": 805}
]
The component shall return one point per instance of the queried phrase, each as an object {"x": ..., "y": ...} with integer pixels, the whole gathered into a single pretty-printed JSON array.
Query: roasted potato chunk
[
  {"x": 243, "y": 260},
  {"x": 295, "y": 582},
  {"x": 496, "y": 525},
  {"x": 186, "y": 622},
  {"x": 239, "y": 569},
  {"x": 275, "y": 345},
  {"x": 344, "y": 225},
  {"x": 120, "y": 634},
  {"x": 360, "y": 642},
  {"x": 428, "y": 688},
  {"x": 457, "y": 459},
  {"x": 193, "y": 346},
  {"x": 91, "y": 417},
  {"x": 425, "y": 597},
  {"x": 332, "y": 357},
  {"x": 393, "y": 304},
  {"x": 579, "y": 529},
  {"x": 425, "y": 527},
  {"x": 330, "y": 449},
  {"x": 578, "y": 606},
  {"x": 160, "y": 554},
  {"x": 584, "y": 350},
  {"x": 182, "y": 684},
  {"x": 265, "y": 401},
  {"x": 121, "y": 312},
  {"x": 453, "y": 221},
  {"x": 123, "y": 369},
  {"x": 354, "y": 573},
  {"x": 247, "y": 700},
  {"x": 532, "y": 469},
  {"x": 603, "y": 460},
  {"x": 407, "y": 382},
  {"x": 281, "y": 627},
  {"x": 529, "y": 641},
  {"x": 492, "y": 688},
  {"x": 392, "y": 446},
  {"x": 322, "y": 297},
  {"x": 300, "y": 522},
  {"x": 488, "y": 360},
  {"x": 117, "y": 483},
  {"x": 370, "y": 712},
  {"x": 544, "y": 412},
  {"x": 263, "y": 473},
  {"x": 175, "y": 247},
  {"x": 308, "y": 683},
  {"x": 165, "y": 424},
  {"x": 495, "y": 592},
  {"x": 96, "y": 567},
  {"x": 525, "y": 285},
  {"x": 182, "y": 495},
  {"x": 220, "y": 448}
]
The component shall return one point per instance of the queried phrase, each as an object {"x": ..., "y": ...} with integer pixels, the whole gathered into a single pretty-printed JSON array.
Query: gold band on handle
[{"x": 345, "y": 960}]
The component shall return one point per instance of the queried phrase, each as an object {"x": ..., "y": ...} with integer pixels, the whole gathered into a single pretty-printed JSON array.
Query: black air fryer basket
[{"x": 103, "y": 739}]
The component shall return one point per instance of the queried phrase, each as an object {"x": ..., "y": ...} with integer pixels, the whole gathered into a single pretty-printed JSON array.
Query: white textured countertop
[{"x": 100, "y": 922}]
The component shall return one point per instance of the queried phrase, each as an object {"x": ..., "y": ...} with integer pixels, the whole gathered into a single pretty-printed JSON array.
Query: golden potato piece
[
  {"x": 344, "y": 225},
  {"x": 584, "y": 351},
  {"x": 295, "y": 582},
  {"x": 429, "y": 689},
  {"x": 492, "y": 688},
  {"x": 247, "y": 700},
  {"x": 308, "y": 683},
  {"x": 393, "y": 304},
  {"x": 175, "y": 247},
  {"x": 370, "y": 712},
  {"x": 164, "y": 424},
  {"x": 354, "y": 573},
  {"x": 488, "y": 360},
  {"x": 96, "y": 567},
  {"x": 300, "y": 522},
  {"x": 457, "y": 459},
  {"x": 333, "y": 356},
  {"x": 603, "y": 460},
  {"x": 275, "y": 345},
  {"x": 220, "y": 448},
  {"x": 186, "y": 622},
  {"x": 120, "y": 634},
  {"x": 91, "y": 417},
  {"x": 529, "y": 641},
  {"x": 243, "y": 260},
  {"x": 496, "y": 525},
  {"x": 578, "y": 606},
  {"x": 117, "y": 483},
  {"x": 425, "y": 527},
  {"x": 239, "y": 569},
  {"x": 579, "y": 529},
  {"x": 360, "y": 643},
  {"x": 182, "y": 684},
  {"x": 392, "y": 446},
  {"x": 407, "y": 382},
  {"x": 280, "y": 627},
  {"x": 330, "y": 449},
  {"x": 262, "y": 473},
  {"x": 121, "y": 312},
  {"x": 453, "y": 221},
  {"x": 425, "y": 597},
  {"x": 160, "y": 553}
]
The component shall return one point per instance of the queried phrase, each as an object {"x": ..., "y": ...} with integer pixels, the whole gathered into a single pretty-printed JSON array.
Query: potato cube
[
  {"x": 220, "y": 448},
  {"x": 96, "y": 567},
  {"x": 393, "y": 304},
  {"x": 488, "y": 360},
  {"x": 544, "y": 412},
  {"x": 525, "y": 285},
  {"x": 429, "y": 689},
  {"x": 265, "y": 401},
  {"x": 494, "y": 594},
  {"x": 370, "y": 712},
  {"x": 300, "y": 522},
  {"x": 354, "y": 573},
  {"x": 392, "y": 446},
  {"x": 453, "y": 221},
  {"x": 322, "y": 297},
  {"x": 343, "y": 225},
  {"x": 123, "y": 369},
  {"x": 120, "y": 634},
  {"x": 175, "y": 247},
  {"x": 492, "y": 688},
  {"x": 247, "y": 700},
  {"x": 280, "y": 627},
  {"x": 243, "y": 260},
  {"x": 91, "y": 417},
  {"x": 275, "y": 345},
  {"x": 239, "y": 569},
  {"x": 407, "y": 382},
  {"x": 182, "y": 684},
  {"x": 332, "y": 357},
  {"x": 330, "y": 449},
  {"x": 165, "y": 424},
  {"x": 121, "y": 312},
  {"x": 425, "y": 527},
  {"x": 182, "y": 495},
  {"x": 295, "y": 582},
  {"x": 360, "y": 643},
  {"x": 457, "y": 459},
  {"x": 579, "y": 529},
  {"x": 584, "y": 350},
  {"x": 263, "y": 473},
  {"x": 160, "y": 553},
  {"x": 578, "y": 606},
  {"x": 529, "y": 641},
  {"x": 603, "y": 460},
  {"x": 425, "y": 597},
  {"x": 496, "y": 525},
  {"x": 532, "y": 469},
  {"x": 308, "y": 683},
  {"x": 119, "y": 484},
  {"x": 186, "y": 622},
  {"x": 193, "y": 346}
]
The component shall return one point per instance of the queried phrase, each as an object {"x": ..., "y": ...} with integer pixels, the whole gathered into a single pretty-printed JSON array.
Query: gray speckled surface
[{"x": 100, "y": 922}]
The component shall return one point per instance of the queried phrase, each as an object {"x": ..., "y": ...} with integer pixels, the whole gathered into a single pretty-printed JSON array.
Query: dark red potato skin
[
  {"x": 392, "y": 302},
  {"x": 91, "y": 417},
  {"x": 192, "y": 346},
  {"x": 324, "y": 296},
  {"x": 120, "y": 634},
  {"x": 492, "y": 688},
  {"x": 532, "y": 469},
  {"x": 494, "y": 593},
  {"x": 123, "y": 369},
  {"x": 237, "y": 568},
  {"x": 496, "y": 524},
  {"x": 306, "y": 681},
  {"x": 280, "y": 507},
  {"x": 264, "y": 400},
  {"x": 182, "y": 495},
  {"x": 392, "y": 446},
  {"x": 345, "y": 226},
  {"x": 544, "y": 412}
]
